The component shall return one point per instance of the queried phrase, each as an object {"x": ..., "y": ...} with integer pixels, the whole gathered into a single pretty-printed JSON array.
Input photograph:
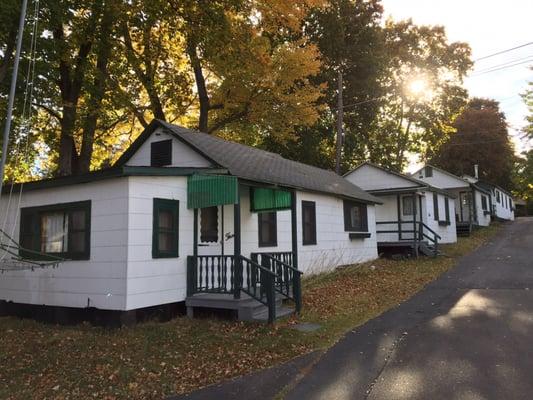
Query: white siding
[
  {"x": 482, "y": 218},
  {"x": 182, "y": 154},
  {"x": 502, "y": 208},
  {"x": 121, "y": 273},
  {"x": 99, "y": 282},
  {"x": 448, "y": 233},
  {"x": 333, "y": 246},
  {"x": 368, "y": 177},
  {"x": 440, "y": 179},
  {"x": 388, "y": 211}
]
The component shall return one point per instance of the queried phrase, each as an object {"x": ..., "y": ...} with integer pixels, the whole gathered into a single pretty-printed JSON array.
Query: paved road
[{"x": 468, "y": 336}]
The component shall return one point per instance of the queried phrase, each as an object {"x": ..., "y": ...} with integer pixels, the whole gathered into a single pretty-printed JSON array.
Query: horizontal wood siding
[{"x": 98, "y": 282}]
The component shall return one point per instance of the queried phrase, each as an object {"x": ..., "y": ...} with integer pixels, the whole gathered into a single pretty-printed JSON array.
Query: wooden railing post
[
  {"x": 192, "y": 280},
  {"x": 297, "y": 291},
  {"x": 271, "y": 298}
]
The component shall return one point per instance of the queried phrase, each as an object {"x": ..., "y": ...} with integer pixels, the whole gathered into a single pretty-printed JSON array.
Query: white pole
[{"x": 11, "y": 99}]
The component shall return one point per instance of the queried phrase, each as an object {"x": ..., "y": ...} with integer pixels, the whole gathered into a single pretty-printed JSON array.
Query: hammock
[{"x": 11, "y": 260}]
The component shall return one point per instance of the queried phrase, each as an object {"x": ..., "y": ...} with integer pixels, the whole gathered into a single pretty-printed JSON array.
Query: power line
[
  {"x": 528, "y": 57},
  {"x": 503, "y": 51},
  {"x": 500, "y": 68}
]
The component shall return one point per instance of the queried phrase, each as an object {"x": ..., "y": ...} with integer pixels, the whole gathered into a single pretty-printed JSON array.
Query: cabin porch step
[{"x": 248, "y": 309}]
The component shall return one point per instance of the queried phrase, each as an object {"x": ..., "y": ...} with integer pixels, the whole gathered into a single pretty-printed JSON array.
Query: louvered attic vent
[{"x": 161, "y": 153}]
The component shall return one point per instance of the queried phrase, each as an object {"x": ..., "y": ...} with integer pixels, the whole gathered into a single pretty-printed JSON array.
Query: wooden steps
[{"x": 247, "y": 308}]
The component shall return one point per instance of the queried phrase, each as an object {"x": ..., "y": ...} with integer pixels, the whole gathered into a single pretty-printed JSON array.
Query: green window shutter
[
  {"x": 447, "y": 209},
  {"x": 211, "y": 190},
  {"x": 165, "y": 229},
  {"x": 435, "y": 206},
  {"x": 266, "y": 199}
]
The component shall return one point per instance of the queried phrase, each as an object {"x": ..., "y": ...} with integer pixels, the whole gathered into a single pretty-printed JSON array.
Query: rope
[{"x": 25, "y": 129}]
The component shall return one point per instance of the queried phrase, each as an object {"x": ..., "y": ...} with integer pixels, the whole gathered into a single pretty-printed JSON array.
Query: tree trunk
[
  {"x": 71, "y": 80},
  {"x": 203, "y": 96},
  {"x": 96, "y": 97}
]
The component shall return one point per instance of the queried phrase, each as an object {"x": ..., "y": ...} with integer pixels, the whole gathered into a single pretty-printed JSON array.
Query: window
[
  {"x": 484, "y": 204},
  {"x": 165, "y": 228},
  {"x": 355, "y": 217},
  {"x": 497, "y": 196},
  {"x": 428, "y": 171},
  {"x": 447, "y": 209},
  {"x": 268, "y": 229},
  {"x": 161, "y": 153},
  {"x": 308, "y": 222},
  {"x": 62, "y": 230},
  {"x": 436, "y": 206},
  {"x": 407, "y": 205},
  {"x": 209, "y": 224}
]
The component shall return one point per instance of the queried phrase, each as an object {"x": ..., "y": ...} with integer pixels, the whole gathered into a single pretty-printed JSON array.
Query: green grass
[{"x": 155, "y": 359}]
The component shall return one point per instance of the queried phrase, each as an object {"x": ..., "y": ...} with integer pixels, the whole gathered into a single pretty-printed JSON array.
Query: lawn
[{"x": 154, "y": 359}]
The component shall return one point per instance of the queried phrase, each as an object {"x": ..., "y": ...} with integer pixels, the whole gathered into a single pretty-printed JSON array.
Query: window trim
[
  {"x": 164, "y": 204},
  {"x": 447, "y": 210},
  {"x": 347, "y": 205},
  {"x": 436, "y": 216},
  {"x": 159, "y": 142},
  {"x": 36, "y": 230},
  {"x": 261, "y": 241},
  {"x": 484, "y": 203},
  {"x": 313, "y": 240}
]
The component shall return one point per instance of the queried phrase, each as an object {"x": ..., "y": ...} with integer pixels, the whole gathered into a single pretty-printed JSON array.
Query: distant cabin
[
  {"x": 413, "y": 213},
  {"x": 186, "y": 217},
  {"x": 472, "y": 201}
]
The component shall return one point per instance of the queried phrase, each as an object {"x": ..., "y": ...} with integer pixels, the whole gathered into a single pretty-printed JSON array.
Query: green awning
[
  {"x": 211, "y": 190},
  {"x": 263, "y": 199}
]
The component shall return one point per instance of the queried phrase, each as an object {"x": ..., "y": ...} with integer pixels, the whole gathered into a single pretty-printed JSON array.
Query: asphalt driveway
[{"x": 468, "y": 336}]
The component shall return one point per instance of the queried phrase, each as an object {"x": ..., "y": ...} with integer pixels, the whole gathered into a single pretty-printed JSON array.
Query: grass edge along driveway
[{"x": 155, "y": 359}]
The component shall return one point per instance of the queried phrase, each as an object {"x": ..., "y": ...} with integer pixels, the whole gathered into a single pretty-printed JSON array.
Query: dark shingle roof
[{"x": 262, "y": 166}]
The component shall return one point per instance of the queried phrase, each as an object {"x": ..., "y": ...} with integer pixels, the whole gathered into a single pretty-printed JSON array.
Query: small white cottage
[
  {"x": 413, "y": 213},
  {"x": 183, "y": 217},
  {"x": 503, "y": 207},
  {"x": 472, "y": 202}
]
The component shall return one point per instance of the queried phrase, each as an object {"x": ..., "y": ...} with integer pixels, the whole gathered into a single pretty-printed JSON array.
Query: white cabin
[
  {"x": 182, "y": 215},
  {"x": 413, "y": 212},
  {"x": 472, "y": 202},
  {"x": 503, "y": 207}
]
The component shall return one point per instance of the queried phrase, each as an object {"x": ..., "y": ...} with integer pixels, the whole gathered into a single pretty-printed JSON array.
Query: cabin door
[
  {"x": 210, "y": 231},
  {"x": 466, "y": 206}
]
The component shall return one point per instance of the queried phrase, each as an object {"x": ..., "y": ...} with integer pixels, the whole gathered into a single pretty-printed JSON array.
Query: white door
[{"x": 210, "y": 231}]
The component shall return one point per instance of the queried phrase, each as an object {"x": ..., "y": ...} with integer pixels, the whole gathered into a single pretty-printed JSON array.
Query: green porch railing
[{"x": 288, "y": 280}]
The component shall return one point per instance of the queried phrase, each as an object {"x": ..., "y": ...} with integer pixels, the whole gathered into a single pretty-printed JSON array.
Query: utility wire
[
  {"x": 530, "y": 57},
  {"x": 503, "y": 51},
  {"x": 500, "y": 68}
]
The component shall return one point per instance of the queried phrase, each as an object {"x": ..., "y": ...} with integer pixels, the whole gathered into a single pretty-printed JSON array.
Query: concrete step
[{"x": 281, "y": 312}]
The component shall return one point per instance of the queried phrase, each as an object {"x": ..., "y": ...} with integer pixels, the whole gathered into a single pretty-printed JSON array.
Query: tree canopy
[
  {"x": 481, "y": 138},
  {"x": 262, "y": 72}
]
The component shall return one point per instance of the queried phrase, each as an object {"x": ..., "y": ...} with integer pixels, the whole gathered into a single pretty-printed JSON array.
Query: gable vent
[{"x": 161, "y": 153}]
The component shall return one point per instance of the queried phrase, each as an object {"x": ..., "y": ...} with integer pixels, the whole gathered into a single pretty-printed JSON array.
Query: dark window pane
[
  {"x": 267, "y": 229},
  {"x": 308, "y": 222},
  {"x": 355, "y": 217},
  {"x": 166, "y": 241},
  {"x": 166, "y": 219},
  {"x": 77, "y": 219},
  {"x": 209, "y": 224},
  {"x": 77, "y": 242}
]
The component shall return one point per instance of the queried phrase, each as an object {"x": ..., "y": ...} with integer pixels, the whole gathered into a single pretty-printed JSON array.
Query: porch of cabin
[
  {"x": 401, "y": 225},
  {"x": 256, "y": 286}
]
